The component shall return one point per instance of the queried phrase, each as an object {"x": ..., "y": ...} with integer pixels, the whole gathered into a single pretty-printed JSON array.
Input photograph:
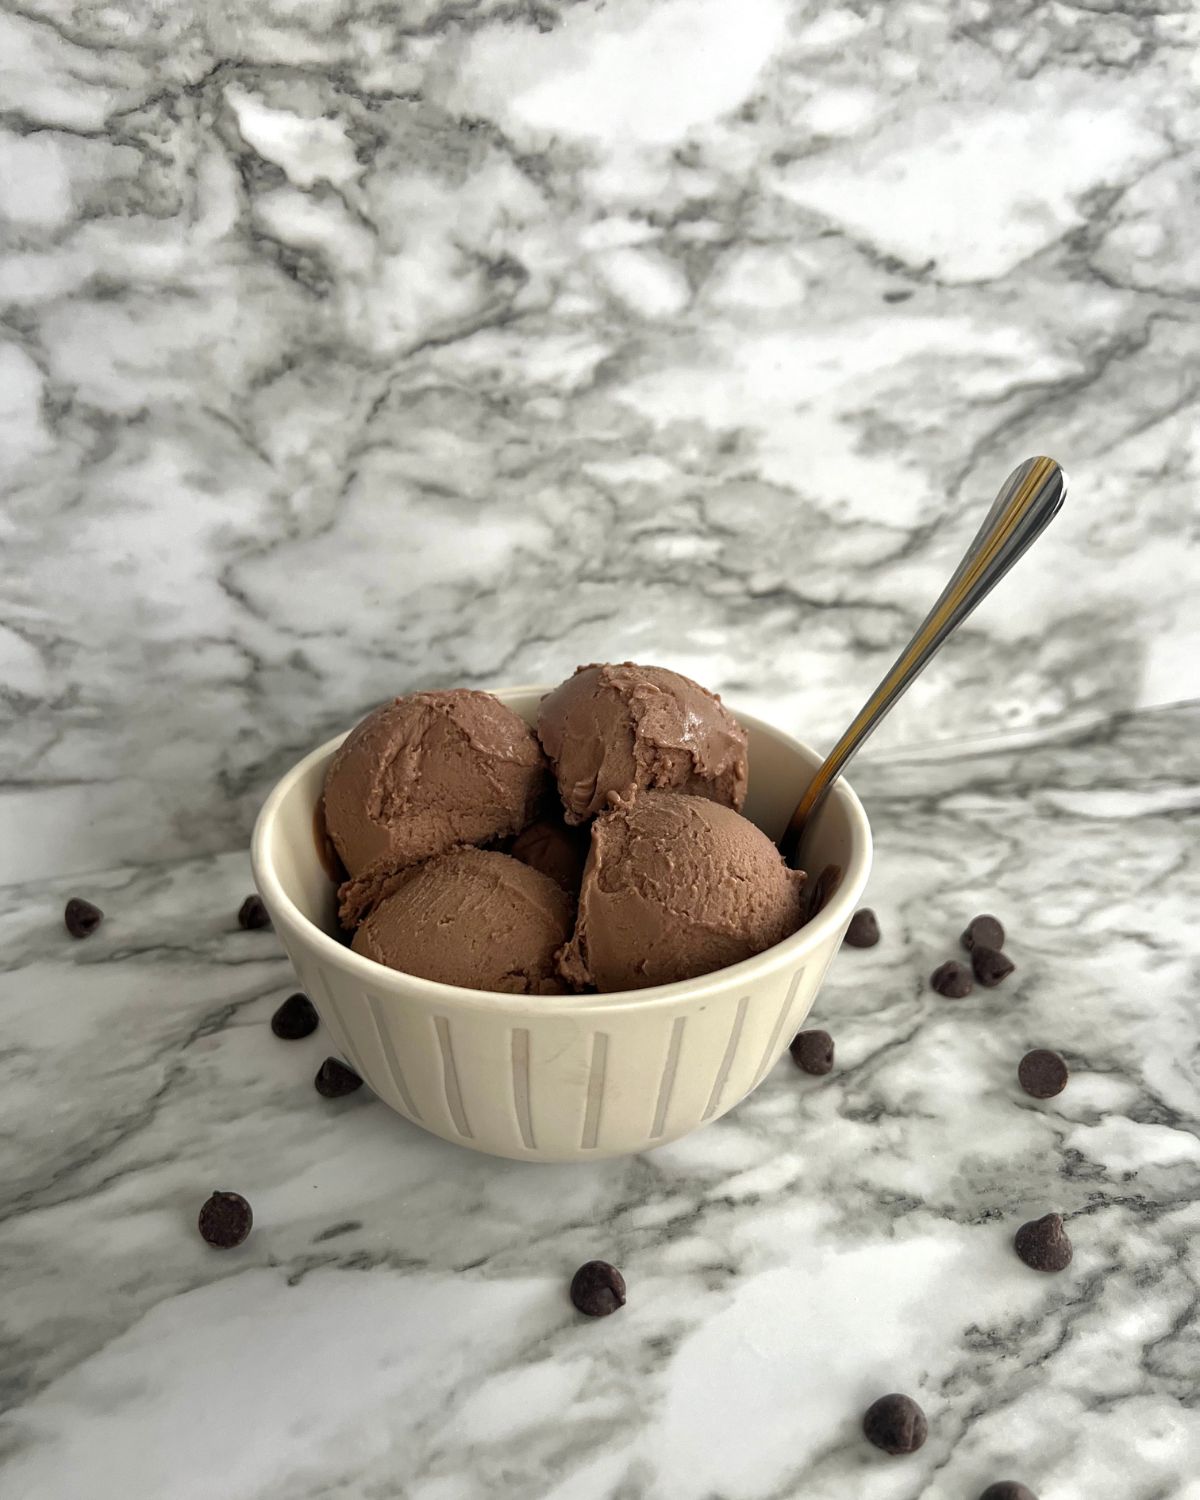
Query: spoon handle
[{"x": 1031, "y": 497}]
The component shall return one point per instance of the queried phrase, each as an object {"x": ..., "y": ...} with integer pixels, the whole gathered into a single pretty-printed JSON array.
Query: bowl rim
[{"x": 790, "y": 952}]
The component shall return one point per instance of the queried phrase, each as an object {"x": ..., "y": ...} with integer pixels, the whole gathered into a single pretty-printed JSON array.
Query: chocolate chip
[
  {"x": 1043, "y": 1244},
  {"x": 896, "y": 1424},
  {"x": 952, "y": 980},
  {"x": 1042, "y": 1073},
  {"x": 252, "y": 913},
  {"x": 1007, "y": 1489},
  {"x": 334, "y": 1079},
  {"x": 984, "y": 931},
  {"x": 863, "y": 931},
  {"x": 598, "y": 1289},
  {"x": 990, "y": 965},
  {"x": 812, "y": 1052},
  {"x": 81, "y": 917},
  {"x": 296, "y": 1017},
  {"x": 225, "y": 1220}
]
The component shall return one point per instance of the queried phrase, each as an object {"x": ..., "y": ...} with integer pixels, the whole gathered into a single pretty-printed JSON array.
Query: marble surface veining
[
  {"x": 397, "y": 1324},
  {"x": 348, "y": 348}
]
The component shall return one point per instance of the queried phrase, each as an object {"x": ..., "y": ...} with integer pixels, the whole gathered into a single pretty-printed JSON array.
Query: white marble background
[{"x": 349, "y": 348}]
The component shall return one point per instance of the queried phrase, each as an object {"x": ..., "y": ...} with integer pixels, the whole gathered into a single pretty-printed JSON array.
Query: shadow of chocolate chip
[
  {"x": 225, "y": 1220},
  {"x": 598, "y": 1289},
  {"x": 1043, "y": 1244},
  {"x": 81, "y": 917},
  {"x": 896, "y": 1424}
]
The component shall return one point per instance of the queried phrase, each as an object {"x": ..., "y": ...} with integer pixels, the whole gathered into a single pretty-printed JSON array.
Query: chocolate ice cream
[
  {"x": 610, "y": 730},
  {"x": 422, "y": 775},
  {"x": 674, "y": 887},
  {"x": 550, "y": 846},
  {"x": 474, "y": 918}
]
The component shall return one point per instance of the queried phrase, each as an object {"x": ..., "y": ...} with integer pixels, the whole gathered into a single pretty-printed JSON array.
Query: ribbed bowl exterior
[{"x": 560, "y": 1078}]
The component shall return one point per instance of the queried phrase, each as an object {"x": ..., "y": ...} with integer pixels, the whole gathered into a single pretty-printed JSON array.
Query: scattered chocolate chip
[
  {"x": 334, "y": 1079},
  {"x": 896, "y": 1424},
  {"x": 812, "y": 1052},
  {"x": 81, "y": 917},
  {"x": 225, "y": 1220},
  {"x": 1042, "y": 1073},
  {"x": 1007, "y": 1489},
  {"x": 252, "y": 913},
  {"x": 817, "y": 893},
  {"x": 990, "y": 965},
  {"x": 952, "y": 980},
  {"x": 1043, "y": 1244},
  {"x": 984, "y": 931},
  {"x": 598, "y": 1289},
  {"x": 296, "y": 1017},
  {"x": 863, "y": 931}
]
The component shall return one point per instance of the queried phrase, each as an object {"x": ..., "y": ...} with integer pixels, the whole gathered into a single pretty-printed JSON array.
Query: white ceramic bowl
[{"x": 561, "y": 1077}]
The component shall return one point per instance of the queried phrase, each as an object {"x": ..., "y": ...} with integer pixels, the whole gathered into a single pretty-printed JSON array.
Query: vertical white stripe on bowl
[
  {"x": 403, "y": 1101},
  {"x": 408, "y": 1040},
  {"x": 594, "y": 1102},
  {"x": 779, "y": 1008},
  {"x": 776, "y": 1040},
  {"x": 560, "y": 1066},
  {"x": 700, "y": 1048},
  {"x": 333, "y": 1014},
  {"x": 520, "y": 1081},
  {"x": 492, "y": 1052},
  {"x": 727, "y": 1059},
  {"x": 666, "y": 1082},
  {"x": 814, "y": 978},
  {"x": 454, "y": 1101}
]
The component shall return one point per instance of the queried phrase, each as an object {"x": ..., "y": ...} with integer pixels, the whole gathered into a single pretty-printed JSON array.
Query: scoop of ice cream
[
  {"x": 609, "y": 730},
  {"x": 420, "y": 776},
  {"x": 550, "y": 846},
  {"x": 475, "y": 918},
  {"x": 676, "y": 886}
]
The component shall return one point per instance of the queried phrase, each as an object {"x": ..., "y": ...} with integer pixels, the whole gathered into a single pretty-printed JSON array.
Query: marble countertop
[
  {"x": 397, "y": 1324},
  {"x": 349, "y": 349}
]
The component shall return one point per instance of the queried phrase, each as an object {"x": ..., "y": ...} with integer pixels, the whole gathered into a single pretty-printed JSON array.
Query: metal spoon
[{"x": 1031, "y": 497}]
